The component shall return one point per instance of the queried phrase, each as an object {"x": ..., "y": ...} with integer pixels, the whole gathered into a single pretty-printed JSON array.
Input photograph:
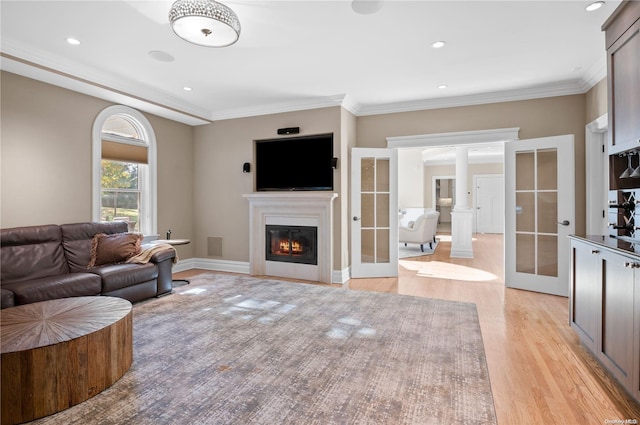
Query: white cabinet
[{"x": 605, "y": 307}]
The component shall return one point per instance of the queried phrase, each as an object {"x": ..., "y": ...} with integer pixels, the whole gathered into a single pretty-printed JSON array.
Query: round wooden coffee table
[{"x": 58, "y": 353}]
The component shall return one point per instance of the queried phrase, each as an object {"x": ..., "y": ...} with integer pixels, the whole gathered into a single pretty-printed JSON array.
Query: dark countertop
[{"x": 623, "y": 244}]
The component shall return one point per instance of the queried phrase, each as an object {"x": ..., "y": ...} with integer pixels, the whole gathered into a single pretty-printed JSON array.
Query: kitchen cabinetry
[
  {"x": 622, "y": 34},
  {"x": 604, "y": 299}
]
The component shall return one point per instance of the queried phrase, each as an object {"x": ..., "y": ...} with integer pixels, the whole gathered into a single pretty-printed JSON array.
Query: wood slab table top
[{"x": 30, "y": 326}]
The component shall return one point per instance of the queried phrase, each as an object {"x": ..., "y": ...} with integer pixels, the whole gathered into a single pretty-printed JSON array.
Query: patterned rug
[{"x": 240, "y": 350}]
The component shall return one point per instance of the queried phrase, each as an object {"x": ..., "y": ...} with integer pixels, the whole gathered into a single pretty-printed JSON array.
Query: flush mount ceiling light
[
  {"x": 594, "y": 6},
  {"x": 438, "y": 44},
  {"x": 204, "y": 22}
]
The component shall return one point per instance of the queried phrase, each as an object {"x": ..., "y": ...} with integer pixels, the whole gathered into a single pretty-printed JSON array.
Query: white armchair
[{"x": 422, "y": 231}]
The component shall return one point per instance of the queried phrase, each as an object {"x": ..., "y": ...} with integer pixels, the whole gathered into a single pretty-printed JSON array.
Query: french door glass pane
[
  {"x": 367, "y": 248},
  {"x": 547, "y": 212},
  {"x": 382, "y": 210},
  {"x": 525, "y": 253},
  {"x": 525, "y": 174},
  {"x": 382, "y": 175},
  {"x": 547, "y": 169},
  {"x": 367, "y": 174},
  {"x": 525, "y": 212},
  {"x": 367, "y": 205},
  {"x": 382, "y": 243},
  {"x": 548, "y": 255}
]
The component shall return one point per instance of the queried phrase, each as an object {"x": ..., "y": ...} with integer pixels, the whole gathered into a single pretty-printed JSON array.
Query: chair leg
[
  {"x": 422, "y": 247},
  {"x": 430, "y": 245},
  {"x": 405, "y": 244}
]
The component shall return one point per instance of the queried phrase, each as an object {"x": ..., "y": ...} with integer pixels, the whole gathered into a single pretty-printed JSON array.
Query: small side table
[{"x": 174, "y": 242}]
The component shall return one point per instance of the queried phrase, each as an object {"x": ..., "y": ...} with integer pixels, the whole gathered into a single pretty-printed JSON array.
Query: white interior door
[
  {"x": 374, "y": 212},
  {"x": 540, "y": 213},
  {"x": 489, "y": 203}
]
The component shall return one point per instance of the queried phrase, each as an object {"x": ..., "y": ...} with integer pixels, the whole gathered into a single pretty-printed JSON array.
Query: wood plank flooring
[{"x": 540, "y": 374}]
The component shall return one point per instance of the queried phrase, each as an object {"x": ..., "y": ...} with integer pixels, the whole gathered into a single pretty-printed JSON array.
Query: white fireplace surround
[{"x": 292, "y": 209}]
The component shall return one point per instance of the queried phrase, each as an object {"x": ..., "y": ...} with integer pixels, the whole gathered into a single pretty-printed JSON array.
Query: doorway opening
[{"x": 430, "y": 160}]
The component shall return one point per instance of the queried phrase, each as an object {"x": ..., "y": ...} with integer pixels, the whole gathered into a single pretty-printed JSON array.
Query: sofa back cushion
[
  {"x": 31, "y": 252},
  {"x": 77, "y": 240}
]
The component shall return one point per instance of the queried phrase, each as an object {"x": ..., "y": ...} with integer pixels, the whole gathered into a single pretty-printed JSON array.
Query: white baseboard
[
  {"x": 341, "y": 276},
  {"x": 338, "y": 276}
]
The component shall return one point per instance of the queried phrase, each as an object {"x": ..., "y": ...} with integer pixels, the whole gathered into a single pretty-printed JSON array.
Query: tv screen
[{"x": 294, "y": 163}]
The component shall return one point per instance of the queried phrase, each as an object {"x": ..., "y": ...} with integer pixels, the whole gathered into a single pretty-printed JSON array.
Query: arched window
[{"x": 124, "y": 169}]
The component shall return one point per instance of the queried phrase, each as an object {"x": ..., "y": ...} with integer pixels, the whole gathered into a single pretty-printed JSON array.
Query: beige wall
[
  {"x": 450, "y": 170},
  {"x": 596, "y": 101},
  {"x": 46, "y": 159},
  {"x": 220, "y": 150},
  {"x": 536, "y": 118}
]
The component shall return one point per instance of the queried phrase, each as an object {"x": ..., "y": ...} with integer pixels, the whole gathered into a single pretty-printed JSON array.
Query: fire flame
[{"x": 296, "y": 246}]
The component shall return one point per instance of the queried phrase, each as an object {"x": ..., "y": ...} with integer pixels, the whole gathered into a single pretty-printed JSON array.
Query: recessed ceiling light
[
  {"x": 161, "y": 56},
  {"x": 594, "y": 6},
  {"x": 442, "y": 86},
  {"x": 438, "y": 44},
  {"x": 366, "y": 7},
  {"x": 72, "y": 41},
  {"x": 186, "y": 88}
]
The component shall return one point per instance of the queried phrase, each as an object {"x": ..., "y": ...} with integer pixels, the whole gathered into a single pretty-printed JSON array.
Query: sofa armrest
[{"x": 165, "y": 254}]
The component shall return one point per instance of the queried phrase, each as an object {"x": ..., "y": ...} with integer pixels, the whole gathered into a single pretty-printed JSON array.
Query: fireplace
[{"x": 292, "y": 244}]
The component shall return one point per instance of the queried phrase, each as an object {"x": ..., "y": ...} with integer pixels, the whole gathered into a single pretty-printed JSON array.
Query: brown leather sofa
[{"x": 39, "y": 263}]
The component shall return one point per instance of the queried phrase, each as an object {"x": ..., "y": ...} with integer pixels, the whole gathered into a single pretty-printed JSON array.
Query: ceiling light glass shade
[
  {"x": 594, "y": 6},
  {"x": 204, "y": 22}
]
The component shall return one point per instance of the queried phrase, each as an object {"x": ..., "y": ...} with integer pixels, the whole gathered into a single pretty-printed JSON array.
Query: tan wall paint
[
  {"x": 450, "y": 170},
  {"x": 536, "y": 118},
  {"x": 46, "y": 159},
  {"x": 220, "y": 150},
  {"x": 596, "y": 101}
]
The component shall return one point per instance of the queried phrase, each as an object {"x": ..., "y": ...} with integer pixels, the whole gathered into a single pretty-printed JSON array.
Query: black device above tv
[{"x": 294, "y": 163}]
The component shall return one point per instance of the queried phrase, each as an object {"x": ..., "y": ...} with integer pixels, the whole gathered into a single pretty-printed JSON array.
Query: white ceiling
[{"x": 295, "y": 55}]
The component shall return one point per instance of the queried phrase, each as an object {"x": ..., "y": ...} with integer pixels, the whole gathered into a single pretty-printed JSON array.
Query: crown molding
[
  {"x": 563, "y": 88},
  {"x": 276, "y": 108},
  {"x": 595, "y": 73}
]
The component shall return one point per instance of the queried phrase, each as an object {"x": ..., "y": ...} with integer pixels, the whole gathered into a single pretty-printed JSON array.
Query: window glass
[
  {"x": 120, "y": 193},
  {"x": 120, "y": 126}
]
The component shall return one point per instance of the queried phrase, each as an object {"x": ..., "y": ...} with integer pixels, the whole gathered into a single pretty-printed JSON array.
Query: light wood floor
[{"x": 539, "y": 372}]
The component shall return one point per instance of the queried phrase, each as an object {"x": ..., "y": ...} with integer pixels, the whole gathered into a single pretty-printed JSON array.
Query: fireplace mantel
[{"x": 303, "y": 208}]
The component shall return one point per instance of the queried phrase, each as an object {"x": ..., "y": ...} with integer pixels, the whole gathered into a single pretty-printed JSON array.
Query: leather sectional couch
[{"x": 39, "y": 263}]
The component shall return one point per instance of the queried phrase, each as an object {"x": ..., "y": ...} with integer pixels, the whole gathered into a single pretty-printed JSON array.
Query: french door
[
  {"x": 374, "y": 212},
  {"x": 540, "y": 213}
]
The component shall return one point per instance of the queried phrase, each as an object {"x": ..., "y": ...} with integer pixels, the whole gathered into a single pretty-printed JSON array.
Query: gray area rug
[
  {"x": 239, "y": 350},
  {"x": 413, "y": 250}
]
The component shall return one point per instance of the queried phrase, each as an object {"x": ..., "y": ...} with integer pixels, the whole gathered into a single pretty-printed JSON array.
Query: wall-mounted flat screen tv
[{"x": 294, "y": 163}]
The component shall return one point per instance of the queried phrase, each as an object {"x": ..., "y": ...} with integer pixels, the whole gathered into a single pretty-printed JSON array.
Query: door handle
[
  {"x": 356, "y": 218},
  {"x": 564, "y": 222}
]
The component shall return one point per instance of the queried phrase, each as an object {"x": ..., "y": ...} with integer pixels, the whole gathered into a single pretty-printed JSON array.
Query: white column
[{"x": 462, "y": 214}]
